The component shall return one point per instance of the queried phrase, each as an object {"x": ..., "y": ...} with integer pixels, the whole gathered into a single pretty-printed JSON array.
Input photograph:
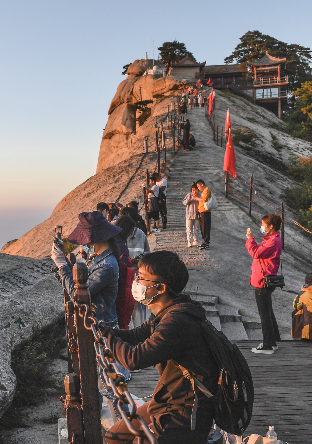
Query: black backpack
[{"x": 234, "y": 396}]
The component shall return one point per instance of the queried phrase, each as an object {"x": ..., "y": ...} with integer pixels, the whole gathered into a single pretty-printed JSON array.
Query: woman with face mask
[{"x": 266, "y": 262}]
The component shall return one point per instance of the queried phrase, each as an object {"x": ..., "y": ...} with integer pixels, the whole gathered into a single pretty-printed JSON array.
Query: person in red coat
[{"x": 266, "y": 262}]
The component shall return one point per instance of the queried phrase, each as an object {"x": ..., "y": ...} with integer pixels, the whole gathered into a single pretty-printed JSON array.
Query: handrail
[{"x": 270, "y": 80}]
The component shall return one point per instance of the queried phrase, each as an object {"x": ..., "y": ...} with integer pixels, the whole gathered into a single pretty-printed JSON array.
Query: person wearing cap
[
  {"x": 168, "y": 339},
  {"x": 94, "y": 230},
  {"x": 302, "y": 316}
]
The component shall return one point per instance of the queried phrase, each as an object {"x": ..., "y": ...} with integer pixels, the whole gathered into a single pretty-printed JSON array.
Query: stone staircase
[{"x": 187, "y": 168}]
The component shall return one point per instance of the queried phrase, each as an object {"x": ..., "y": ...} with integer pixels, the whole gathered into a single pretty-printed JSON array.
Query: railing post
[
  {"x": 147, "y": 221},
  {"x": 173, "y": 134},
  {"x": 282, "y": 226},
  {"x": 73, "y": 408},
  {"x": 87, "y": 361},
  {"x": 72, "y": 343},
  {"x": 250, "y": 196},
  {"x": 158, "y": 154},
  {"x": 226, "y": 183},
  {"x": 146, "y": 144}
]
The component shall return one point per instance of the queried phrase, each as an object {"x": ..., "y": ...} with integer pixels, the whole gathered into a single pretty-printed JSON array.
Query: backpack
[
  {"x": 192, "y": 141},
  {"x": 161, "y": 197},
  {"x": 124, "y": 301},
  {"x": 234, "y": 396}
]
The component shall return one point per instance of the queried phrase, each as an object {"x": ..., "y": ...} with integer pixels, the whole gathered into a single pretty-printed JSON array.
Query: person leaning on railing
[{"x": 169, "y": 338}]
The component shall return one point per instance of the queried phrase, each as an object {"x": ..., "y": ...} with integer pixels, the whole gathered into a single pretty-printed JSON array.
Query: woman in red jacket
[{"x": 266, "y": 261}]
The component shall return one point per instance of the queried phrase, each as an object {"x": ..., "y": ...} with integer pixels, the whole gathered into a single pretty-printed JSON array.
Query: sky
[{"x": 61, "y": 63}]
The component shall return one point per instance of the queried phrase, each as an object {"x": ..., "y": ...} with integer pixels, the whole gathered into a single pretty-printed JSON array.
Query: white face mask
[
  {"x": 139, "y": 291},
  {"x": 262, "y": 230}
]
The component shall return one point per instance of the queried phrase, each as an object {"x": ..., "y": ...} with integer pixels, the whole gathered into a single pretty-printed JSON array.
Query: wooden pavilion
[{"x": 269, "y": 84}]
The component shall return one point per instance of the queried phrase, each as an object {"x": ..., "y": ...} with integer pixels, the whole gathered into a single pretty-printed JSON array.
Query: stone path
[{"x": 208, "y": 267}]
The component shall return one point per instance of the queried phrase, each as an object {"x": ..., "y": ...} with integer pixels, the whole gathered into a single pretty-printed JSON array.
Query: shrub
[
  {"x": 275, "y": 143},
  {"x": 245, "y": 135},
  {"x": 299, "y": 197}
]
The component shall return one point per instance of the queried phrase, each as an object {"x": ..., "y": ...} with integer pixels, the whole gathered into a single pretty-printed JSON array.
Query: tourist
[
  {"x": 266, "y": 261},
  {"x": 162, "y": 184},
  {"x": 186, "y": 135},
  {"x": 169, "y": 338},
  {"x": 153, "y": 204},
  {"x": 133, "y": 212},
  {"x": 204, "y": 214},
  {"x": 95, "y": 231},
  {"x": 104, "y": 208},
  {"x": 302, "y": 316},
  {"x": 191, "y": 216}
]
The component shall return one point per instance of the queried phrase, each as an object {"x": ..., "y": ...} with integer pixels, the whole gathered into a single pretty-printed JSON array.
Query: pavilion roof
[
  {"x": 187, "y": 61},
  {"x": 267, "y": 59},
  {"x": 223, "y": 69}
]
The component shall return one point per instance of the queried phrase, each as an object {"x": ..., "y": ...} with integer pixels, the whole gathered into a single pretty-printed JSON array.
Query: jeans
[
  {"x": 268, "y": 322},
  {"x": 192, "y": 231},
  {"x": 139, "y": 315}
]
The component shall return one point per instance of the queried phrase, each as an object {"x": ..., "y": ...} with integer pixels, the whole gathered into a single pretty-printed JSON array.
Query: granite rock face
[
  {"x": 31, "y": 300},
  {"x": 141, "y": 84}
]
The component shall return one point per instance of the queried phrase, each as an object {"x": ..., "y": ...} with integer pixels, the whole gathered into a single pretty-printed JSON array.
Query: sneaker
[
  {"x": 189, "y": 245},
  {"x": 275, "y": 347},
  {"x": 260, "y": 349},
  {"x": 205, "y": 247}
]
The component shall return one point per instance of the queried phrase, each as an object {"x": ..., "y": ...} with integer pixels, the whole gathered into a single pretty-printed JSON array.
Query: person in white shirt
[
  {"x": 153, "y": 203},
  {"x": 162, "y": 183}
]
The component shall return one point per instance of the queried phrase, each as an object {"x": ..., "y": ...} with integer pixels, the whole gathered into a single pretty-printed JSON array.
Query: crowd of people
[{"x": 165, "y": 322}]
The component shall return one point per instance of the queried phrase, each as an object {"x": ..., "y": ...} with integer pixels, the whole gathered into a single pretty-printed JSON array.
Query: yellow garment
[
  {"x": 205, "y": 195},
  {"x": 302, "y": 320}
]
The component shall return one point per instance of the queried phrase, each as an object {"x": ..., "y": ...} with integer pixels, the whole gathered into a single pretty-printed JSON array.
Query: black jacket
[{"x": 172, "y": 337}]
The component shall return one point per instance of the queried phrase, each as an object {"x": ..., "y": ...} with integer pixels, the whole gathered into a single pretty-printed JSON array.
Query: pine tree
[{"x": 173, "y": 52}]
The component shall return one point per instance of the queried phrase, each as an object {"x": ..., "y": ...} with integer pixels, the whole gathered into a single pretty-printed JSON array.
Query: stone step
[{"x": 234, "y": 331}]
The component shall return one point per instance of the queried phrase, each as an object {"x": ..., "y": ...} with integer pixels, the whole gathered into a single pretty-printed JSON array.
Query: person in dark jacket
[
  {"x": 266, "y": 261},
  {"x": 169, "y": 338},
  {"x": 186, "y": 135}
]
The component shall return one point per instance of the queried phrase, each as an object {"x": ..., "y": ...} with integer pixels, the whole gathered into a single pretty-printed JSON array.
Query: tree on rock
[
  {"x": 299, "y": 122},
  {"x": 173, "y": 52},
  {"x": 254, "y": 45}
]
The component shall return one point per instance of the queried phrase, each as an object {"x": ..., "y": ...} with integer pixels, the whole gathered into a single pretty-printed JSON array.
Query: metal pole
[
  {"x": 250, "y": 195},
  {"x": 146, "y": 144},
  {"x": 145, "y": 203},
  {"x": 282, "y": 226},
  {"x": 87, "y": 360},
  {"x": 158, "y": 156},
  {"x": 173, "y": 134},
  {"x": 226, "y": 182}
]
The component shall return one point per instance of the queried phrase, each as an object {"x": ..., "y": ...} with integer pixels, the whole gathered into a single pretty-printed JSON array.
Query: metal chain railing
[{"x": 78, "y": 397}]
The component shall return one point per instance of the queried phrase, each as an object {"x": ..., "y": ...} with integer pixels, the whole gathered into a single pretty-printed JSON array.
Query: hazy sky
[{"x": 61, "y": 62}]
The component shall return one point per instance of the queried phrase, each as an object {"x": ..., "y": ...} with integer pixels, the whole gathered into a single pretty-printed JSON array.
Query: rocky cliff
[{"x": 121, "y": 154}]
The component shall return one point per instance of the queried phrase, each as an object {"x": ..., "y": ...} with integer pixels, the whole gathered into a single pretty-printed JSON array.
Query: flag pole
[{"x": 226, "y": 182}]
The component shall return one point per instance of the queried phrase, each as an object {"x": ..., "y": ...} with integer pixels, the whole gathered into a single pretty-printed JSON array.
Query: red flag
[
  {"x": 208, "y": 81},
  {"x": 210, "y": 102},
  {"x": 229, "y": 157},
  {"x": 227, "y": 125}
]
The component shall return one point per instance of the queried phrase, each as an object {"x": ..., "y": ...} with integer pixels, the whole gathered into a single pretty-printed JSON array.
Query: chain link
[{"x": 113, "y": 379}]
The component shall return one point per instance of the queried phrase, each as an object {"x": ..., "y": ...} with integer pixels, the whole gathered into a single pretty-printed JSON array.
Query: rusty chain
[{"x": 113, "y": 379}]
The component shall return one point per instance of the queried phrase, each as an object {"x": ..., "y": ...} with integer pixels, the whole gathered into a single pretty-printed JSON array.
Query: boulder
[
  {"x": 120, "y": 122},
  {"x": 123, "y": 93},
  {"x": 31, "y": 300}
]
